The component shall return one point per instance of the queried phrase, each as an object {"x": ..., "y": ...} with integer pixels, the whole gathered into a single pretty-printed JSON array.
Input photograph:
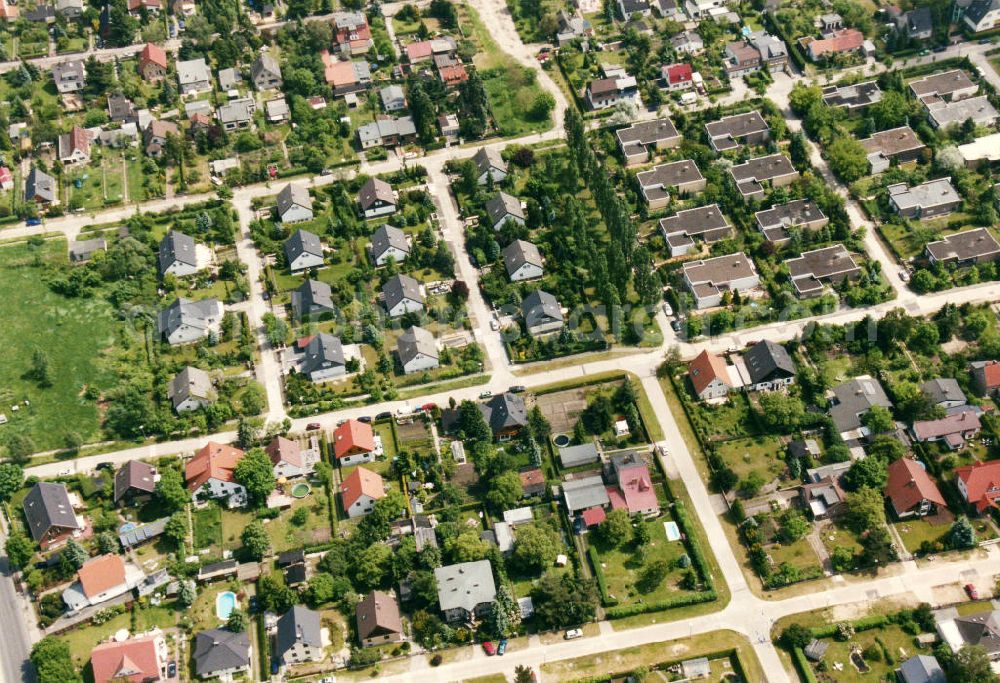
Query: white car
[
  {"x": 667, "y": 309},
  {"x": 494, "y": 325},
  {"x": 573, "y": 633}
]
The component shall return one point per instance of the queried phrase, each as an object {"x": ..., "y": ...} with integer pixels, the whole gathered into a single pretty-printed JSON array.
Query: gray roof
[
  {"x": 732, "y": 128},
  {"x": 942, "y": 83},
  {"x": 503, "y": 205},
  {"x": 766, "y": 360},
  {"x": 943, "y": 389},
  {"x": 634, "y": 138},
  {"x": 520, "y": 252},
  {"x": 486, "y": 158},
  {"x": 140, "y": 534},
  {"x": 176, "y": 246},
  {"x": 400, "y": 287},
  {"x": 853, "y": 398},
  {"x": 388, "y": 236},
  {"x": 979, "y": 109},
  {"x": 186, "y": 312},
  {"x": 962, "y": 246},
  {"x": 193, "y": 71},
  {"x": 72, "y": 70},
  {"x": 227, "y": 79},
  {"x": 303, "y": 242},
  {"x": 312, "y": 297},
  {"x": 375, "y": 190},
  {"x": 39, "y": 184},
  {"x": 135, "y": 474},
  {"x": 415, "y": 341},
  {"x": 191, "y": 382},
  {"x": 323, "y": 351},
  {"x": 381, "y": 129},
  {"x": 237, "y": 110},
  {"x": 465, "y": 585},
  {"x": 504, "y": 411},
  {"x": 292, "y": 195},
  {"x": 921, "y": 668},
  {"x": 297, "y": 625},
  {"x": 918, "y": 20},
  {"x": 981, "y": 629},
  {"x": 540, "y": 306},
  {"x": 980, "y": 9},
  {"x": 47, "y": 505},
  {"x": 219, "y": 649},
  {"x": 774, "y": 222},
  {"x": 588, "y": 492},
  {"x": 571, "y": 456},
  {"x": 926, "y": 195},
  {"x": 392, "y": 94},
  {"x": 708, "y": 222},
  {"x": 84, "y": 249},
  {"x": 749, "y": 175},
  {"x": 852, "y": 96},
  {"x": 265, "y": 63}
]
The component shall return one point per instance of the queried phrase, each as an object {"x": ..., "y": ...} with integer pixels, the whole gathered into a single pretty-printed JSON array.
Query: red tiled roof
[
  {"x": 593, "y": 516},
  {"x": 336, "y": 72},
  {"x": 982, "y": 483},
  {"x": 705, "y": 368},
  {"x": 101, "y": 573},
  {"x": 419, "y": 50},
  {"x": 909, "y": 484},
  {"x": 530, "y": 478},
  {"x": 134, "y": 660},
  {"x": 5, "y": 175},
  {"x": 361, "y": 482},
  {"x": 678, "y": 73},
  {"x": 839, "y": 41},
  {"x": 353, "y": 437},
  {"x": 455, "y": 73},
  {"x": 284, "y": 450},
  {"x": 214, "y": 460},
  {"x": 634, "y": 492},
  {"x": 79, "y": 139},
  {"x": 991, "y": 375},
  {"x": 154, "y": 54},
  {"x": 149, "y": 4}
]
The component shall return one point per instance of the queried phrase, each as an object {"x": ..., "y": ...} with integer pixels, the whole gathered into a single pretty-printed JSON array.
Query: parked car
[
  {"x": 171, "y": 669},
  {"x": 518, "y": 389},
  {"x": 428, "y": 407},
  {"x": 104, "y": 466},
  {"x": 365, "y": 418},
  {"x": 985, "y": 41},
  {"x": 494, "y": 325},
  {"x": 312, "y": 426},
  {"x": 940, "y": 48},
  {"x": 667, "y": 309},
  {"x": 489, "y": 648},
  {"x": 502, "y": 647},
  {"x": 383, "y": 415},
  {"x": 971, "y": 591},
  {"x": 675, "y": 325},
  {"x": 573, "y": 633},
  {"x": 33, "y": 221},
  {"x": 486, "y": 394},
  {"x": 904, "y": 276}
]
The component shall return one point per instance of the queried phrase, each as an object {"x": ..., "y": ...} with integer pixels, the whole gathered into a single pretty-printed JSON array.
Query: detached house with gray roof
[
  {"x": 849, "y": 403},
  {"x": 237, "y": 114},
  {"x": 708, "y": 279},
  {"x": 266, "y": 72},
  {"x": 798, "y": 214},
  {"x": 402, "y": 295},
  {"x": 506, "y": 415},
  {"x": 944, "y": 392},
  {"x": 489, "y": 163},
  {"x": 704, "y": 222},
  {"x": 965, "y": 248},
  {"x": 295, "y": 204},
  {"x": 465, "y": 590},
  {"x": 69, "y": 76},
  {"x": 378, "y": 620},
  {"x": 50, "y": 516},
  {"x": 388, "y": 243},
  {"x": 194, "y": 76},
  {"x": 503, "y": 208},
  {"x": 191, "y": 389},
  {"x": 768, "y": 367},
  {"x": 134, "y": 481},
  {"x": 298, "y": 637},
  {"x": 303, "y": 250},
  {"x": 681, "y": 176},
  {"x": 927, "y": 200},
  {"x": 386, "y": 132},
  {"x": 732, "y": 132},
  {"x": 185, "y": 321},
  {"x": 637, "y": 141},
  {"x": 523, "y": 261},
  {"x": 775, "y": 169},
  {"x": 814, "y": 270},
  {"x": 178, "y": 254},
  {"x": 40, "y": 188},
  {"x": 220, "y": 653},
  {"x": 320, "y": 357},
  {"x": 851, "y": 97},
  {"x": 542, "y": 313},
  {"x": 417, "y": 350},
  {"x": 376, "y": 198},
  {"x": 983, "y": 15}
]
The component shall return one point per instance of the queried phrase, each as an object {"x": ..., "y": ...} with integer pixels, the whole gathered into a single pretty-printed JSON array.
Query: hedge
[
  {"x": 595, "y": 562},
  {"x": 660, "y": 605},
  {"x": 802, "y": 665},
  {"x": 732, "y": 654},
  {"x": 694, "y": 548}
]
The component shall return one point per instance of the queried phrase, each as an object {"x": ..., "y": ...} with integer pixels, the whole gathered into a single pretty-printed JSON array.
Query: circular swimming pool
[
  {"x": 561, "y": 440},
  {"x": 301, "y": 490},
  {"x": 225, "y": 603}
]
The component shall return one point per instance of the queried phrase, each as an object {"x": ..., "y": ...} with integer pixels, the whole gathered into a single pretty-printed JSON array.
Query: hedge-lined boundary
[
  {"x": 606, "y": 599},
  {"x": 661, "y": 605},
  {"x": 732, "y": 654}
]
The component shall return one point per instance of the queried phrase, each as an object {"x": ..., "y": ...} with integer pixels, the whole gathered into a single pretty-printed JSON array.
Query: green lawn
[
  {"x": 762, "y": 454},
  {"x": 898, "y": 644},
  {"x": 207, "y": 527},
  {"x": 73, "y": 333},
  {"x": 82, "y": 640},
  {"x": 512, "y": 90},
  {"x": 286, "y": 535},
  {"x": 721, "y": 421},
  {"x": 915, "y": 532},
  {"x": 799, "y": 554}
]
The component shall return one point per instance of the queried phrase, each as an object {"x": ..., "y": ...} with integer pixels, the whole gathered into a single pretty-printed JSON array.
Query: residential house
[
  {"x": 388, "y": 243},
  {"x": 221, "y": 653},
  {"x": 681, "y": 176},
  {"x": 750, "y": 176},
  {"x": 687, "y": 43},
  {"x": 345, "y": 76},
  {"x": 298, "y": 637},
  {"x": 985, "y": 376},
  {"x": 731, "y": 132},
  {"x": 265, "y": 72},
  {"x": 120, "y": 108},
  {"x": 49, "y": 514},
  {"x": 704, "y": 222},
  {"x": 773, "y": 51},
  {"x": 137, "y": 660},
  {"x": 489, "y": 163},
  {"x": 964, "y": 248},
  {"x": 571, "y": 27},
  {"x": 393, "y": 98},
  {"x": 604, "y": 93},
  {"x": 71, "y": 9},
  {"x": 814, "y": 270},
  {"x": 952, "y": 431},
  {"x": 979, "y": 109},
  {"x": 351, "y": 33},
  {"x": 921, "y": 668},
  {"x": 927, "y": 200},
  {"x": 637, "y": 141},
  {"x": 450, "y": 128},
  {"x": 289, "y": 459},
  {"x": 505, "y": 414},
  {"x": 153, "y": 63},
  {"x": 277, "y": 110},
  {"x": 741, "y": 58},
  {"x": 768, "y": 367},
  {"x": 40, "y": 188},
  {"x": 585, "y": 493},
  {"x": 211, "y": 473},
  {"x": 191, "y": 389},
  {"x": 237, "y": 114},
  {"x": 798, "y": 214},
  {"x": 532, "y": 482},
  {"x": 542, "y": 313},
  {"x": 982, "y": 15},
  {"x": 417, "y": 350},
  {"x": 135, "y": 7},
  {"x": 82, "y": 251},
  {"x": 849, "y": 403},
  {"x": 313, "y": 299},
  {"x": 402, "y": 294},
  {"x": 503, "y": 208},
  {"x": 981, "y": 628},
  {"x": 944, "y": 392},
  {"x": 452, "y": 74},
  {"x": 633, "y": 490},
  {"x": 911, "y": 491},
  {"x": 837, "y": 42},
  {"x": 898, "y": 145},
  {"x": 294, "y": 204},
  {"x": 984, "y": 150},
  {"x": 704, "y": 9},
  {"x": 523, "y": 261},
  {"x": 851, "y": 97},
  {"x": 979, "y": 483},
  {"x": 229, "y": 79},
  {"x": 708, "y": 279},
  {"x": 100, "y": 579},
  {"x": 825, "y": 499},
  {"x": 946, "y": 86},
  {"x": 194, "y": 76},
  {"x": 377, "y": 616},
  {"x": 386, "y": 132},
  {"x": 709, "y": 376},
  {"x": 376, "y": 198},
  {"x": 359, "y": 492},
  {"x": 465, "y": 590},
  {"x": 677, "y": 76},
  {"x": 917, "y": 24},
  {"x": 185, "y": 321},
  {"x": 583, "y": 454},
  {"x": 178, "y": 254},
  {"x": 319, "y": 357},
  {"x": 303, "y": 250},
  {"x": 155, "y": 137},
  {"x": 134, "y": 481},
  {"x": 354, "y": 442},
  {"x": 69, "y": 76}
]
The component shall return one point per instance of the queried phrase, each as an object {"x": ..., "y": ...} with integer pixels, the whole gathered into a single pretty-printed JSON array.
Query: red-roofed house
[
  {"x": 137, "y": 660},
  {"x": 287, "y": 457},
  {"x": 453, "y": 75},
  {"x": 532, "y": 482},
  {"x": 74, "y": 146},
  {"x": 678, "y": 76},
  {"x": 709, "y": 376},
  {"x": 634, "y": 490},
  {"x": 980, "y": 483},
  {"x": 985, "y": 376},
  {"x": 100, "y": 579},
  {"x": 8, "y": 11},
  {"x": 153, "y": 62},
  {"x": 151, "y": 6},
  {"x": 911, "y": 491},
  {"x": 360, "y": 490},
  {"x": 353, "y": 443},
  {"x": 211, "y": 472},
  {"x": 837, "y": 42},
  {"x": 6, "y": 179},
  {"x": 953, "y": 431},
  {"x": 593, "y": 516},
  {"x": 351, "y": 33},
  {"x": 419, "y": 52}
]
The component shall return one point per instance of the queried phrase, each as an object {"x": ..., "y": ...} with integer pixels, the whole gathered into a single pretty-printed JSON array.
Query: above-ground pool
[
  {"x": 126, "y": 527},
  {"x": 300, "y": 490},
  {"x": 225, "y": 603},
  {"x": 561, "y": 440}
]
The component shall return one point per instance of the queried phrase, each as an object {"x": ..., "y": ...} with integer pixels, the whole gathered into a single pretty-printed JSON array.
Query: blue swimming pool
[{"x": 225, "y": 603}]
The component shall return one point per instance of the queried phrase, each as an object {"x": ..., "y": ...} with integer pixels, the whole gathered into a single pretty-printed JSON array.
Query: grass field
[
  {"x": 73, "y": 333},
  {"x": 892, "y": 640},
  {"x": 207, "y": 527},
  {"x": 82, "y": 640},
  {"x": 761, "y": 454}
]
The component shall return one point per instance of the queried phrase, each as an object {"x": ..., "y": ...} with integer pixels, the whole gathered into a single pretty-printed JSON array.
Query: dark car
[
  {"x": 274, "y": 667},
  {"x": 171, "y": 669},
  {"x": 384, "y": 416},
  {"x": 502, "y": 647},
  {"x": 33, "y": 221},
  {"x": 940, "y": 48},
  {"x": 517, "y": 389},
  {"x": 675, "y": 325},
  {"x": 104, "y": 466},
  {"x": 312, "y": 426},
  {"x": 365, "y": 418}
]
